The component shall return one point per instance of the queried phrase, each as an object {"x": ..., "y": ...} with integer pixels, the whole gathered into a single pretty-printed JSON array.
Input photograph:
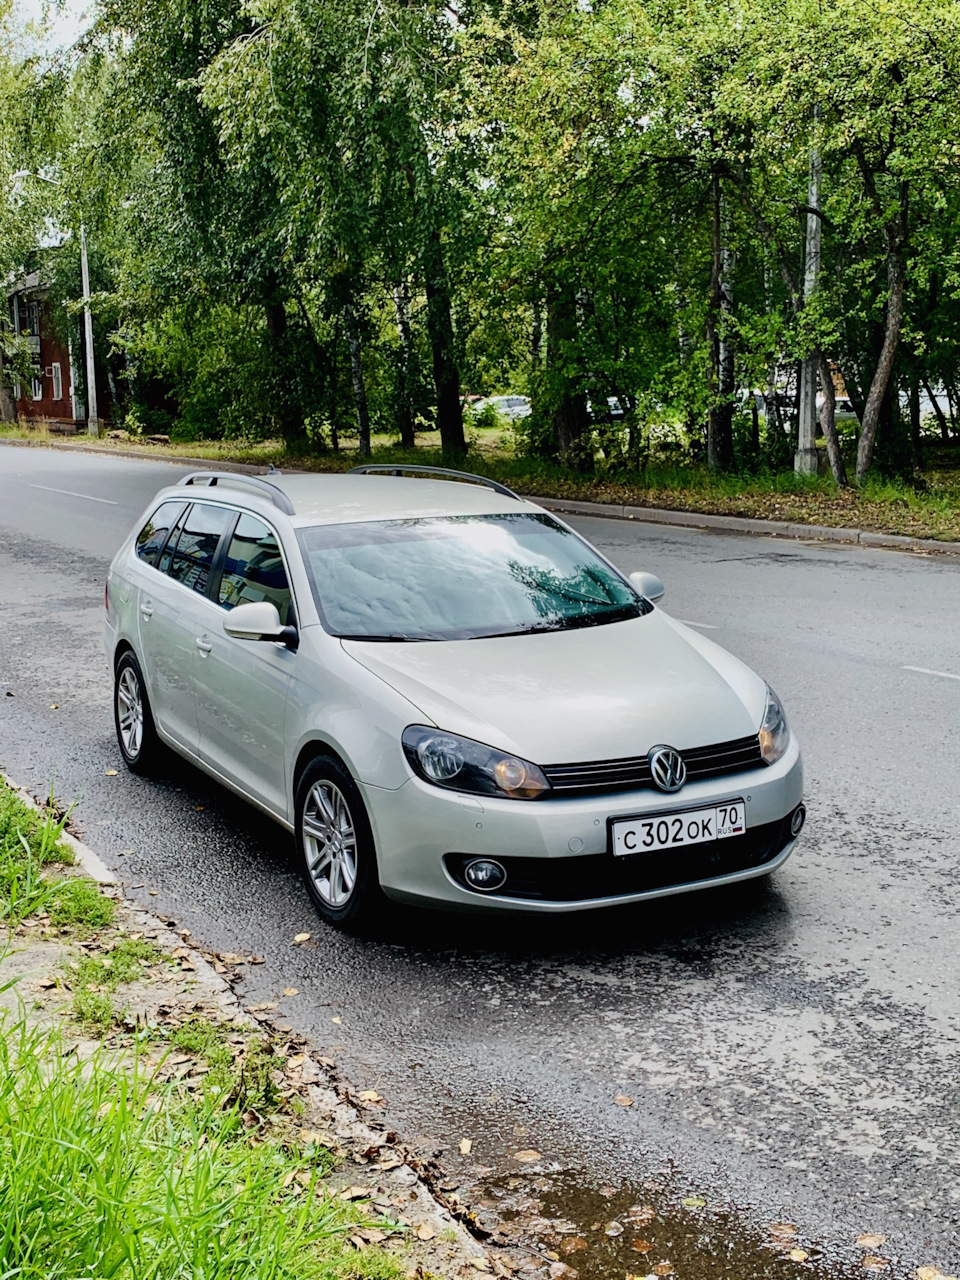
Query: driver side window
[{"x": 253, "y": 570}]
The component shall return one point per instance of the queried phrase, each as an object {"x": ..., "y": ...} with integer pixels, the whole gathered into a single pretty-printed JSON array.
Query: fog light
[
  {"x": 797, "y": 821},
  {"x": 484, "y": 874}
]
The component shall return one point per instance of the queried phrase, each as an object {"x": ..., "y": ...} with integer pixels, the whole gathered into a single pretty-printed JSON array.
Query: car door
[
  {"x": 242, "y": 685},
  {"x": 174, "y": 613}
]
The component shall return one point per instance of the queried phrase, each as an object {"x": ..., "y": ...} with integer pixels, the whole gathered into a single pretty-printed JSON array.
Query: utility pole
[
  {"x": 805, "y": 461},
  {"x": 93, "y": 421}
]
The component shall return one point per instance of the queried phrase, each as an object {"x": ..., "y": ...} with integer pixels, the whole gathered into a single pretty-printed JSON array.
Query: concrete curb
[
  {"x": 87, "y": 860},
  {"x": 605, "y": 510}
]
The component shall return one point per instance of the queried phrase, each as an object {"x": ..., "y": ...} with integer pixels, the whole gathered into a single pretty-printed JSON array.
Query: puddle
[{"x": 653, "y": 1231}]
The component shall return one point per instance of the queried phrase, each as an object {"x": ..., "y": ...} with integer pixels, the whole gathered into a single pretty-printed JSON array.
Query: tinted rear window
[
  {"x": 192, "y": 557},
  {"x": 154, "y": 533}
]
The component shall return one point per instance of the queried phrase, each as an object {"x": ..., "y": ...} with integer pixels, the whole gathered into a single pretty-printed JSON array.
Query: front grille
[
  {"x": 632, "y": 773},
  {"x": 596, "y": 876}
]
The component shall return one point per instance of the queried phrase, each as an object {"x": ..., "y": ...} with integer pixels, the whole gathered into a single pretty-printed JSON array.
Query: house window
[
  {"x": 57, "y": 382},
  {"x": 36, "y": 387}
]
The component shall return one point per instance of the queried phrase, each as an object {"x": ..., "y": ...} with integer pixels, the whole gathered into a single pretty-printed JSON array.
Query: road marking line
[
  {"x": 70, "y": 494},
  {"x": 704, "y": 626},
  {"x": 925, "y": 671}
]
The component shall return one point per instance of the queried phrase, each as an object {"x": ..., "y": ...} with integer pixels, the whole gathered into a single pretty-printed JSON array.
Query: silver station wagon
[{"x": 445, "y": 693}]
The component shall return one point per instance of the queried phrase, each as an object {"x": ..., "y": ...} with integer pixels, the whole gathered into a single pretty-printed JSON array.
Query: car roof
[{"x": 332, "y": 498}]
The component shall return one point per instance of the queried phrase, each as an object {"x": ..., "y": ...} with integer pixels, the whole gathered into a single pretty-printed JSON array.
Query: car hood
[{"x": 596, "y": 693}]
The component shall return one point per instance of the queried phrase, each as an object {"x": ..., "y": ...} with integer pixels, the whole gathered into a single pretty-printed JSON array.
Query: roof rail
[
  {"x": 263, "y": 487},
  {"x": 390, "y": 468}
]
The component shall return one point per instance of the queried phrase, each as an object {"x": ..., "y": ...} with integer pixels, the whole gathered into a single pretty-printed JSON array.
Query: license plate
[{"x": 649, "y": 834}]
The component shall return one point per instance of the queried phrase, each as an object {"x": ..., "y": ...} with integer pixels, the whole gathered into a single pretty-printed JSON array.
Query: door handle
[
  {"x": 204, "y": 646},
  {"x": 146, "y": 608}
]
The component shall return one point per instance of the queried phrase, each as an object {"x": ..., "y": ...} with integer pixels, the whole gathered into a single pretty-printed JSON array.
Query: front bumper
[{"x": 556, "y": 851}]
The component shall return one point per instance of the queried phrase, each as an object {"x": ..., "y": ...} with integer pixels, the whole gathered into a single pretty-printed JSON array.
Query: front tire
[
  {"x": 136, "y": 733},
  {"x": 335, "y": 845}
]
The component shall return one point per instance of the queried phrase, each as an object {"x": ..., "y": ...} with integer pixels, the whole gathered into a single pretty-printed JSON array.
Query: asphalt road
[{"x": 791, "y": 1046}]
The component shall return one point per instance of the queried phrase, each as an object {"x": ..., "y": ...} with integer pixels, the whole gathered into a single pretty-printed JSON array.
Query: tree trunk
[
  {"x": 356, "y": 376},
  {"x": 446, "y": 374},
  {"x": 401, "y": 301},
  {"x": 896, "y": 279},
  {"x": 915, "y": 420},
  {"x": 941, "y": 417},
  {"x": 720, "y": 414},
  {"x": 569, "y": 406},
  {"x": 828, "y": 422}
]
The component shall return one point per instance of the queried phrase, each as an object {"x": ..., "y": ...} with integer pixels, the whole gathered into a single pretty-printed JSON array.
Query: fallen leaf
[
  {"x": 481, "y": 1264},
  {"x": 871, "y": 1241},
  {"x": 928, "y": 1273},
  {"x": 337, "y": 1021},
  {"x": 641, "y": 1246},
  {"x": 199, "y": 808},
  {"x": 623, "y": 1100},
  {"x": 663, "y": 1269},
  {"x": 369, "y": 1095},
  {"x": 354, "y": 1193},
  {"x": 425, "y": 1231},
  {"x": 55, "y": 706},
  {"x": 527, "y": 1157},
  {"x": 302, "y": 937},
  {"x": 872, "y": 1262},
  {"x": 613, "y": 1229},
  {"x": 110, "y": 773},
  {"x": 782, "y": 1229},
  {"x": 574, "y": 1244},
  {"x": 798, "y": 1255},
  {"x": 290, "y": 991},
  {"x": 641, "y": 1213},
  {"x": 466, "y": 1146},
  {"x": 693, "y": 1202}
]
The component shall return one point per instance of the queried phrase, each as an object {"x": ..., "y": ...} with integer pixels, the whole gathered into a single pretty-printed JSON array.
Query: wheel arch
[{"x": 310, "y": 751}]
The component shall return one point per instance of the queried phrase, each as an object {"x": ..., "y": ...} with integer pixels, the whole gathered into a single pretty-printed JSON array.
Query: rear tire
[
  {"x": 335, "y": 848},
  {"x": 136, "y": 733}
]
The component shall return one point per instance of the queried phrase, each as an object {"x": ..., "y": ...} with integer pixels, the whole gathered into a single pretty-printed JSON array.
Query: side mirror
[
  {"x": 259, "y": 620},
  {"x": 648, "y": 584}
]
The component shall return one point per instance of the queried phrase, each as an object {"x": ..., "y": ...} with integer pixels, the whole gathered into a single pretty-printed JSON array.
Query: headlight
[
  {"x": 460, "y": 764},
  {"x": 774, "y": 734}
]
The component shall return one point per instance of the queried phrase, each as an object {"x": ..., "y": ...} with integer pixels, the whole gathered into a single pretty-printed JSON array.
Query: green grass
[
  {"x": 94, "y": 979},
  {"x": 105, "y": 1172},
  {"x": 29, "y": 842}
]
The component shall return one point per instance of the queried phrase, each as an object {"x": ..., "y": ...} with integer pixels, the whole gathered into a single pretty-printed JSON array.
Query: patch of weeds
[
  {"x": 95, "y": 977},
  {"x": 208, "y": 1041},
  {"x": 79, "y": 904},
  {"x": 29, "y": 841},
  {"x": 93, "y": 1009}
]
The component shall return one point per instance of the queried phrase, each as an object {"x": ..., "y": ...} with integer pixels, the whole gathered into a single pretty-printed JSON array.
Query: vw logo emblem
[{"x": 667, "y": 767}]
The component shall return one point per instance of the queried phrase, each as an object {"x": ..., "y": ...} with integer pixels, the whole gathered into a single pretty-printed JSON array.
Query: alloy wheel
[
  {"x": 130, "y": 712},
  {"x": 330, "y": 843}
]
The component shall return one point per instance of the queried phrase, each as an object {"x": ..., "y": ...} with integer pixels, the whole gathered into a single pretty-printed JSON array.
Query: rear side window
[
  {"x": 192, "y": 558},
  {"x": 253, "y": 569},
  {"x": 154, "y": 533}
]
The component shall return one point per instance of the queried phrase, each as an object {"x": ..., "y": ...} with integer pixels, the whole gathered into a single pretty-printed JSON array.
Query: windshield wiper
[{"x": 394, "y": 635}]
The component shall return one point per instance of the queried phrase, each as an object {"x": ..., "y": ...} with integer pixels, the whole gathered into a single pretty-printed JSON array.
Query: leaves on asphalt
[
  {"x": 369, "y": 1096},
  {"x": 527, "y": 1157},
  {"x": 466, "y": 1146},
  {"x": 290, "y": 991},
  {"x": 641, "y": 1213},
  {"x": 573, "y": 1244},
  {"x": 693, "y": 1202},
  {"x": 110, "y": 773},
  {"x": 798, "y": 1255},
  {"x": 426, "y": 1231},
  {"x": 871, "y": 1241},
  {"x": 623, "y": 1100},
  {"x": 872, "y": 1262},
  {"x": 354, "y": 1193},
  {"x": 641, "y": 1246},
  {"x": 663, "y": 1269},
  {"x": 301, "y": 937}
]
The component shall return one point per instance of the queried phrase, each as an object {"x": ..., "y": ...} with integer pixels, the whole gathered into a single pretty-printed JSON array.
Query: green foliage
[
  {"x": 104, "y": 1172},
  {"x": 29, "y": 841}
]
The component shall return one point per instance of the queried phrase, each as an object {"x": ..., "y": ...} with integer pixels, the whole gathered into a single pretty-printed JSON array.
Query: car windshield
[{"x": 460, "y": 578}]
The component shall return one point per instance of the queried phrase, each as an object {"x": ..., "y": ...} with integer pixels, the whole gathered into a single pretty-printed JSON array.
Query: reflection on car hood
[{"x": 565, "y": 696}]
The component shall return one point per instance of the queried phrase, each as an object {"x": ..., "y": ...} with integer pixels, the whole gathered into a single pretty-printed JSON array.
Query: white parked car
[
  {"x": 445, "y": 693},
  {"x": 511, "y": 407}
]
